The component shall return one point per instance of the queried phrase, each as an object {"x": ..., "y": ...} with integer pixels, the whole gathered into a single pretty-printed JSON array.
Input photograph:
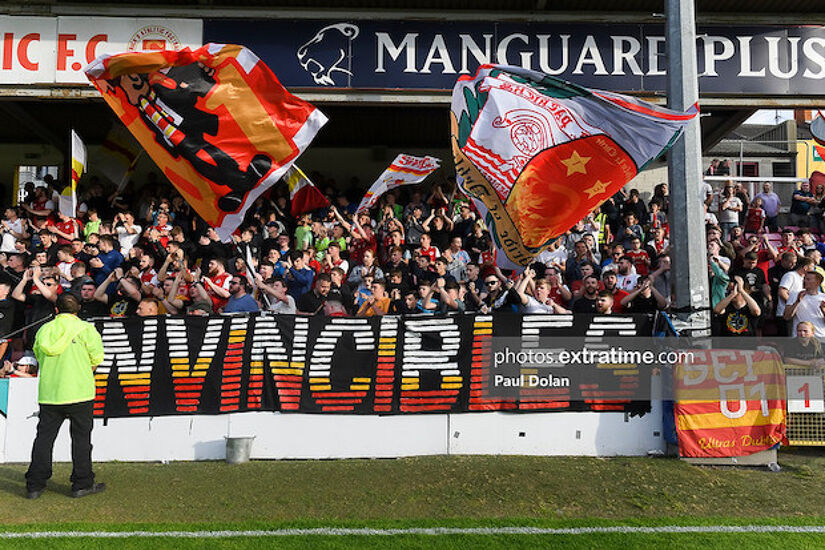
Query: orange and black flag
[
  {"x": 536, "y": 153},
  {"x": 215, "y": 120}
]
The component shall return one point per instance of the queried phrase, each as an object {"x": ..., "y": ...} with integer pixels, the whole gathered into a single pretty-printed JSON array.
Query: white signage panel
[
  {"x": 54, "y": 50},
  {"x": 805, "y": 394},
  {"x": 27, "y": 49},
  {"x": 80, "y": 40}
]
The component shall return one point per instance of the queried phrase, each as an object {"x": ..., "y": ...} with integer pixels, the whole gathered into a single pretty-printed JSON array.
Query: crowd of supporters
[
  {"x": 417, "y": 252},
  {"x": 148, "y": 253}
]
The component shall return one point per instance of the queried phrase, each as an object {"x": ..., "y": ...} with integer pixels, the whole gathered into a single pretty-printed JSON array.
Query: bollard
[{"x": 238, "y": 449}]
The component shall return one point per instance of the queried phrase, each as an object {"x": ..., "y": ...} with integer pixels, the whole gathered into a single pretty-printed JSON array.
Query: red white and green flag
[
  {"x": 404, "y": 170},
  {"x": 303, "y": 195},
  {"x": 536, "y": 153}
]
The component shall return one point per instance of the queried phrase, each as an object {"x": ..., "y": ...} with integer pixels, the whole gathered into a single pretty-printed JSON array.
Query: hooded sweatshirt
[{"x": 67, "y": 349}]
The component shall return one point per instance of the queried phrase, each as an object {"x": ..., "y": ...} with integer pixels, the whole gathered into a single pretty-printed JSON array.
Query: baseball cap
[
  {"x": 199, "y": 305},
  {"x": 27, "y": 360}
]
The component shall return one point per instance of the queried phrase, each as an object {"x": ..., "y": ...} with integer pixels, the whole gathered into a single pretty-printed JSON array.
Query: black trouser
[{"x": 81, "y": 422}]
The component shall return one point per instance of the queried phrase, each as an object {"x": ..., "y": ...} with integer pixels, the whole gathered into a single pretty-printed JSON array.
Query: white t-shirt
[
  {"x": 707, "y": 191},
  {"x": 548, "y": 257},
  {"x": 626, "y": 282},
  {"x": 8, "y": 238},
  {"x": 793, "y": 282},
  {"x": 534, "y": 306},
  {"x": 278, "y": 306},
  {"x": 808, "y": 310},
  {"x": 726, "y": 215},
  {"x": 127, "y": 240}
]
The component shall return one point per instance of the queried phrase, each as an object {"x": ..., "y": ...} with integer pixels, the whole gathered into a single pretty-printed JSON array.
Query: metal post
[{"x": 687, "y": 234}]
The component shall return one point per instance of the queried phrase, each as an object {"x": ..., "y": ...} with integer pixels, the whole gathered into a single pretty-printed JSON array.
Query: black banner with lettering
[{"x": 378, "y": 365}]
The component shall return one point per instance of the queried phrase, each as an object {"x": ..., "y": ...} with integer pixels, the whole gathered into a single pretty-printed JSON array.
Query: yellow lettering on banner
[
  {"x": 387, "y": 340},
  {"x": 101, "y": 383},
  {"x": 296, "y": 364},
  {"x": 355, "y": 387},
  {"x": 483, "y": 331},
  {"x": 256, "y": 371},
  {"x": 386, "y": 346},
  {"x": 237, "y": 332},
  {"x": 204, "y": 360},
  {"x": 362, "y": 380},
  {"x": 409, "y": 386},
  {"x": 134, "y": 382},
  {"x": 275, "y": 364},
  {"x": 625, "y": 372},
  {"x": 410, "y": 380},
  {"x": 175, "y": 360},
  {"x": 453, "y": 379},
  {"x": 236, "y": 340},
  {"x": 256, "y": 363},
  {"x": 131, "y": 376},
  {"x": 297, "y": 372},
  {"x": 180, "y": 367},
  {"x": 484, "y": 324},
  {"x": 385, "y": 353},
  {"x": 320, "y": 388},
  {"x": 450, "y": 386},
  {"x": 318, "y": 380}
]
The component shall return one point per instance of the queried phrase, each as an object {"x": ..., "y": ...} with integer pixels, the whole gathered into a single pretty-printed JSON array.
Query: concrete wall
[{"x": 282, "y": 436}]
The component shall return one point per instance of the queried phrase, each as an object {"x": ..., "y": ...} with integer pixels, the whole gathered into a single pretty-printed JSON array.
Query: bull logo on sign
[{"x": 324, "y": 52}]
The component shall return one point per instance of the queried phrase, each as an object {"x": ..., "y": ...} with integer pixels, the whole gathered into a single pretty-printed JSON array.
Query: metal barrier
[{"x": 806, "y": 406}]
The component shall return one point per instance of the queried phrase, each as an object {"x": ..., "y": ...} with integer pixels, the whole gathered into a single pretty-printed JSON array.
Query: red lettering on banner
[
  {"x": 23, "y": 51},
  {"x": 91, "y": 46},
  {"x": 8, "y": 50},
  {"x": 63, "y": 51}
]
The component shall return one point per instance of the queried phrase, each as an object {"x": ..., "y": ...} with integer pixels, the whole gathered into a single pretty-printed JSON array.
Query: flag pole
[
  {"x": 74, "y": 189},
  {"x": 689, "y": 258}
]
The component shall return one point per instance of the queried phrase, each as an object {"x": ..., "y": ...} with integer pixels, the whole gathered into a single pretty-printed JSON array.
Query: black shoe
[
  {"x": 94, "y": 489},
  {"x": 31, "y": 495}
]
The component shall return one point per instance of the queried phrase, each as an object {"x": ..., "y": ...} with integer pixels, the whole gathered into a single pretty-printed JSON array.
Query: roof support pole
[{"x": 686, "y": 217}]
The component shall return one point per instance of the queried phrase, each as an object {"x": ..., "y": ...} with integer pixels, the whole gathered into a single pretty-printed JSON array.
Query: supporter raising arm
[
  {"x": 33, "y": 275},
  {"x": 171, "y": 301}
]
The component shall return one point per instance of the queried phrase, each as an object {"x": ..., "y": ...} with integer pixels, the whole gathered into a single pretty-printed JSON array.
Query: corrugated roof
[{"x": 748, "y": 7}]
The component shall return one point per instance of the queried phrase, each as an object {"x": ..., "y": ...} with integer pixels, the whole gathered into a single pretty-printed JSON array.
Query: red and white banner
[
  {"x": 404, "y": 170},
  {"x": 49, "y": 50}
]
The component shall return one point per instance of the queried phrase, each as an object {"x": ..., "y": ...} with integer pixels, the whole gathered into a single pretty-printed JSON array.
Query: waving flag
[
  {"x": 118, "y": 156},
  {"x": 215, "y": 120},
  {"x": 68, "y": 197},
  {"x": 536, "y": 153},
  {"x": 303, "y": 195},
  {"x": 404, "y": 170}
]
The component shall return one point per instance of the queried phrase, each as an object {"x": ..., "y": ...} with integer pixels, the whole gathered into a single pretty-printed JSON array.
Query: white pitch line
[{"x": 344, "y": 532}]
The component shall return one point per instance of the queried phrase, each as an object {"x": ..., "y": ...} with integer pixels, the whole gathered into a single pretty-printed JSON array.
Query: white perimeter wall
[{"x": 339, "y": 436}]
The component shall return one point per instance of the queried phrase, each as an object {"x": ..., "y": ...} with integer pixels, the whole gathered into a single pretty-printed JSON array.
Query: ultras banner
[{"x": 388, "y": 365}]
